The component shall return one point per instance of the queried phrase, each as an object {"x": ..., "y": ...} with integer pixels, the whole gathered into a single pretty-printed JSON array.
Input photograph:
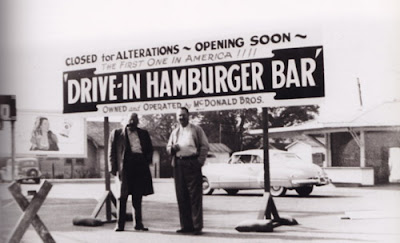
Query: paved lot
[{"x": 373, "y": 211}]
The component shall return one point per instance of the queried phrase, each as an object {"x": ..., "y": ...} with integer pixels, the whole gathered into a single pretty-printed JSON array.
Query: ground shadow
[
  {"x": 286, "y": 196},
  {"x": 275, "y": 235}
]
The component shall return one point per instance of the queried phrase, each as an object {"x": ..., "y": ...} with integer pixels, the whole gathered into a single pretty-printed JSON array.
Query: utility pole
[
  {"x": 359, "y": 92},
  {"x": 220, "y": 132}
]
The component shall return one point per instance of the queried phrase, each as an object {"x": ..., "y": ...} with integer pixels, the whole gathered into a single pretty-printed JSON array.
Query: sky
[{"x": 360, "y": 40}]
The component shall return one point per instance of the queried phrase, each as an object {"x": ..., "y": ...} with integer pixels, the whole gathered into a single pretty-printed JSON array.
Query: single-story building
[
  {"x": 93, "y": 165},
  {"x": 308, "y": 150},
  {"x": 358, "y": 148},
  {"x": 95, "y": 160},
  {"x": 218, "y": 152}
]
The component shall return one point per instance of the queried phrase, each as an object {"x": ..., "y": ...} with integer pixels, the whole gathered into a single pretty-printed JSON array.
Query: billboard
[
  {"x": 45, "y": 134},
  {"x": 276, "y": 69}
]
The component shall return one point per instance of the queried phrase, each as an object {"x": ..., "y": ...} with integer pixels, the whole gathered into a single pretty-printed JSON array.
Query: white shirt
[
  {"x": 187, "y": 147},
  {"x": 134, "y": 142}
]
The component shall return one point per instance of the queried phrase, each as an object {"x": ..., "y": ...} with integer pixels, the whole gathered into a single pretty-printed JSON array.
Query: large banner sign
[
  {"x": 45, "y": 134},
  {"x": 136, "y": 81}
]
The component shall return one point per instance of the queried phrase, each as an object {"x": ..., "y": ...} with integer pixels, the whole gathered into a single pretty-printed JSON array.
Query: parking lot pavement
[{"x": 330, "y": 214}]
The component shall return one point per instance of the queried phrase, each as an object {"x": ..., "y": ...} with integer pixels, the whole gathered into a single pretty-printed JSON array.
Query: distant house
[
  {"x": 308, "y": 150},
  {"x": 161, "y": 167},
  {"x": 93, "y": 165},
  {"x": 218, "y": 152},
  {"x": 95, "y": 143},
  {"x": 357, "y": 147},
  {"x": 95, "y": 134}
]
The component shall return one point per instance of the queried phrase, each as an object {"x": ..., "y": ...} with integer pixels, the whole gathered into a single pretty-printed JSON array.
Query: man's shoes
[
  {"x": 141, "y": 228},
  {"x": 184, "y": 230},
  {"x": 117, "y": 229},
  {"x": 197, "y": 232}
]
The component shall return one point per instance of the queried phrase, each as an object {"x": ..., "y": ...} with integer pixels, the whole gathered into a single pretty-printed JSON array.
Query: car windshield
[
  {"x": 23, "y": 163},
  {"x": 27, "y": 163}
]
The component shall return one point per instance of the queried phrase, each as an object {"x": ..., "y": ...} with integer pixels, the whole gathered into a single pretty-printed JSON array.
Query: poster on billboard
[
  {"x": 49, "y": 134},
  {"x": 249, "y": 71}
]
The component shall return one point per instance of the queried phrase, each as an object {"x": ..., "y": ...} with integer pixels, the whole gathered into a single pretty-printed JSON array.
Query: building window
[{"x": 68, "y": 161}]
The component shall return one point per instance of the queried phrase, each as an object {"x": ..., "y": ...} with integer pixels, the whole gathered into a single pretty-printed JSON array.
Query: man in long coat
[{"x": 130, "y": 154}]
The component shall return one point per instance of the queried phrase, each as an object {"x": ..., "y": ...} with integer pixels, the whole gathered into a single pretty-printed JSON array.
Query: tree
[
  {"x": 284, "y": 117},
  {"x": 230, "y": 126},
  {"x": 159, "y": 125},
  {"x": 292, "y": 115}
]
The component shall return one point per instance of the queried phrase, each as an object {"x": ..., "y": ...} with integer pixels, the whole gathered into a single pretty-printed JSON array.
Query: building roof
[
  {"x": 303, "y": 140},
  {"x": 95, "y": 132},
  {"x": 385, "y": 116},
  {"x": 219, "y": 148}
]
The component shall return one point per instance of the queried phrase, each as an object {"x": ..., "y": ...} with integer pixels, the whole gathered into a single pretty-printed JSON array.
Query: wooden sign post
[
  {"x": 108, "y": 197},
  {"x": 270, "y": 211},
  {"x": 30, "y": 213}
]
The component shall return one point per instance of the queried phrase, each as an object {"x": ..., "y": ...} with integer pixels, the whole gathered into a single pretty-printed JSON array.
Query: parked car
[
  {"x": 245, "y": 170},
  {"x": 26, "y": 169}
]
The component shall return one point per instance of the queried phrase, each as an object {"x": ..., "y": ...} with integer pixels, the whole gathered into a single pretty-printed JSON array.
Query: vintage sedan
[
  {"x": 245, "y": 170},
  {"x": 25, "y": 169}
]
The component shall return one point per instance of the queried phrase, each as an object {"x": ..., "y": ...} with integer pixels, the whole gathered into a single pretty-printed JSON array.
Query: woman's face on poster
[{"x": 45, "y": 125}]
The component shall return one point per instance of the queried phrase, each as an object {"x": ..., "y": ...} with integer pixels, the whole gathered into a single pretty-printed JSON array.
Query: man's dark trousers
[
  {"x": 133, "y": 173},
  {"x": 189, "y": 192},
  {"x": 137, "y": 205}
]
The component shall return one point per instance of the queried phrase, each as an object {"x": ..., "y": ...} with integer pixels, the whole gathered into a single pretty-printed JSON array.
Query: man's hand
[{"x": 175, "y": 148}]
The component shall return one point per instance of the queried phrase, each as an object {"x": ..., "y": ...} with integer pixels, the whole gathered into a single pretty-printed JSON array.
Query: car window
[
  {"x": 245, "y": 158},
  {"x": 234, "y": 160},
  {"x": 240, "y": 159},
  {"x": 27, "y": 163},
  {"x": 256, "y": 159}
]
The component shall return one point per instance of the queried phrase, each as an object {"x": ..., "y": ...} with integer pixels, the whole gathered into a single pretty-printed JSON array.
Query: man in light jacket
[{"x": 188, "y": 146}]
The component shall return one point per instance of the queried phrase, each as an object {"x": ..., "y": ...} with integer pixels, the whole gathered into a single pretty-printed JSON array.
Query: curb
[{"x": 100, "y": 180}]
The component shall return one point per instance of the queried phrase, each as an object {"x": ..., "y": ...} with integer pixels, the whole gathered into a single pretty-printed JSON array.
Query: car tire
[
  {"x": 207, "y": 190},
  {"x": 231, "y": 191},
  {"x": 277, "y": 191},
  {"x": 304, "y": 191}
]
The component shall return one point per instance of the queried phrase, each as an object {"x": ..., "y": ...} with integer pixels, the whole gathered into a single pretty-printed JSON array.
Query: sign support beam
[
  {"x": 270, "y": 212},
  {"x": 265, "y": 125},
  {"x": 106, "y": 169},
  {"x": 12, "y": 150},
  {"x": 107, "y": 197}
]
